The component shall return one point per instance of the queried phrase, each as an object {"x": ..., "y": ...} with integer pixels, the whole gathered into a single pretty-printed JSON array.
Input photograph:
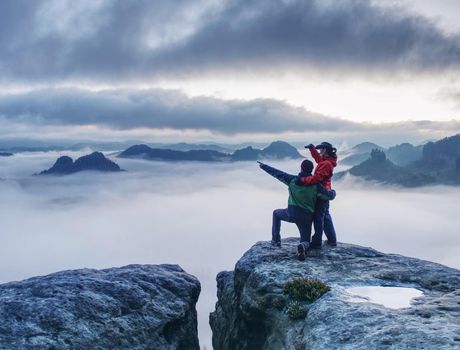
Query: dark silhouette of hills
[
  {"x": 247, "y": 153},
  {"x": 95, "y": 161},
  {"x": 184, "y": 146},
  {"x": 441, "y": 159},
  {"x": 280, "y": 149},
  {"x": 439, "y": 164},
  {"x": 355, "y": 159},
  {"x": 5, "y": 154},
  {"x": 18, "y": 145},
  {"x": 146, "y": 152},
  {"x": 441, "y": 154},
  {"x": 276, "y": 150},
  {"x": 378, "y": 168},
  {"x": 402, "y": 154},
  {"x": 360, "y": 153},
  {"x": 26, "y": 145},
  {"x": 367, "y": 147}
]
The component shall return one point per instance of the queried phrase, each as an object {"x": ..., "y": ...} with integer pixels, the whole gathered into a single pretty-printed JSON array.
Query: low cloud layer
[
  {"x": 51, "y": 40},
  {"x": 169, "y": 109},
  {"x": 157, "y": 109}
]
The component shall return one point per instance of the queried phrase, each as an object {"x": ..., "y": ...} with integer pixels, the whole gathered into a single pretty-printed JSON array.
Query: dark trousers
[
  {"x": 296, "y": 215},
  {"x": 322, "y": 221}
]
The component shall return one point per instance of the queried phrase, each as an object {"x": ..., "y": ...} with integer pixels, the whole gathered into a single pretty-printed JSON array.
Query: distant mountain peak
[
  {"x": 6, "y": 154},
  {"x": 276, "y": 150},
  {"x": 281, "y": 149},
  {"x": 164, "y": 154},
  {"x": 367, "y": 146},
  {"x": 95, "y": 161},
  {"x": 436, "y": 163},
  {"x": 378, "y": 156}
]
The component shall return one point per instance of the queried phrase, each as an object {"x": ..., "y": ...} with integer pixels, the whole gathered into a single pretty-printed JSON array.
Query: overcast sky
[{"x": 230, "y": 70}]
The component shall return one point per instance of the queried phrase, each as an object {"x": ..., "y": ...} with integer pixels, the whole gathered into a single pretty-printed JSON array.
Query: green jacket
[{"x": 303, "y": 196}]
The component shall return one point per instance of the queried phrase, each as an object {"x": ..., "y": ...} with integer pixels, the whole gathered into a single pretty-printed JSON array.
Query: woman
[{"x": 326, "y": 159}]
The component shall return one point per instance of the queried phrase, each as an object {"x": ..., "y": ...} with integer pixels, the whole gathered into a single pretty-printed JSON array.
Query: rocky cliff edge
[
  {"x": 132, "y": 307},
  {"x": 255, "y": 310}
]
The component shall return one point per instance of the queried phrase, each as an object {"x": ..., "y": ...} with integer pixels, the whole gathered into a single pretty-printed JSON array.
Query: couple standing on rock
[{"x": 309, "y": 197}]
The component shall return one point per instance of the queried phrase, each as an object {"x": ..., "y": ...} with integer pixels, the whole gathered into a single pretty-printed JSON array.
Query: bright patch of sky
[
  {"x": 444, "y": 12},
  {"x": 359, "y": 100}
]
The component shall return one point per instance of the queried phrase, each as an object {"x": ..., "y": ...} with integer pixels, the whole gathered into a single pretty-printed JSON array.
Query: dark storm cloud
[
  {"x": 158, "y": 108},
  {"x": 341, "y": 34},
  {"x": 55, "y": 40},
  {"x": 51, "y": 40}
]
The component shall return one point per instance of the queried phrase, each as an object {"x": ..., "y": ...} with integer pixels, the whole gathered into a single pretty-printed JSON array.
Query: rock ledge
[
  {"x": 251, "y": 309},
  {"x": 131, "y": 307}
]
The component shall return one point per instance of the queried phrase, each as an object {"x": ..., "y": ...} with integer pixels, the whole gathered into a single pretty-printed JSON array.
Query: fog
[{"x": 202, "y": 216}]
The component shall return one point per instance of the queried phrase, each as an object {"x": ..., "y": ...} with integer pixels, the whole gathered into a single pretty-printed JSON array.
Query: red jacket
[{"x": 323, "y": 172}]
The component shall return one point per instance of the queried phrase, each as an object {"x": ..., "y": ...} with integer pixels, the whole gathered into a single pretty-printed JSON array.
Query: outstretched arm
[
  {"x": 314, "y": 153},
  {"x": 278, "y": 174},
  {"x": 324, "y": 193}
]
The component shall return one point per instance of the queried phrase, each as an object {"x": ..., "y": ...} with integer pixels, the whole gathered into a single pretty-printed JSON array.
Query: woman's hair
[{"x": 331, "y": 152}]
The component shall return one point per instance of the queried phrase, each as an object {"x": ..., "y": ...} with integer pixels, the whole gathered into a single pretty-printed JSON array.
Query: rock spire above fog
[{"x": 95, "y": 161}]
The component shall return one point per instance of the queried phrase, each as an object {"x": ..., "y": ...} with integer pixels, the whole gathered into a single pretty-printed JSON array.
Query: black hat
[
  {"x": 326, "y": 145},
  {"x": 307, "y": 166}
]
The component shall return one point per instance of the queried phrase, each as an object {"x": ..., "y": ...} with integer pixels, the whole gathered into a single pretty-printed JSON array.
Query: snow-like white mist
[{"x": 202, "y": 216}]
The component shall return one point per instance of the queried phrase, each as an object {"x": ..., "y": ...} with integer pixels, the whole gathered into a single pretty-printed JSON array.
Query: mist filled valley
[{"x": 203, "y": 216}]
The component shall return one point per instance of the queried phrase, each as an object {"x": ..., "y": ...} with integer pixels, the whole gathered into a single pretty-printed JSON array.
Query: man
[{"x": 301, "y": 204}]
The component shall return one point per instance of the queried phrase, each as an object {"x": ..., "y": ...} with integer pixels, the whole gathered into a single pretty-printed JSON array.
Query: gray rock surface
[
  {"x": 251, "y": 309},
  {"x": 132, "y": 307}
]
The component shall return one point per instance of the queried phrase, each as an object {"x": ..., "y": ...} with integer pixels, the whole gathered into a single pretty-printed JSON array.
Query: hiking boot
[
  {"x": 330, "y": 243},
  {"x": 311, "y": 246},
  {"x": 301, "y": 252},
  {"x": 275, "y": 244}
]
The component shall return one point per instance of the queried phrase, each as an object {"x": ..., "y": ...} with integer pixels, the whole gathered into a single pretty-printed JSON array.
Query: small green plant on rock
[
  {"x": 296, "y": 310},
  {"x": 306, "y": 289}
]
